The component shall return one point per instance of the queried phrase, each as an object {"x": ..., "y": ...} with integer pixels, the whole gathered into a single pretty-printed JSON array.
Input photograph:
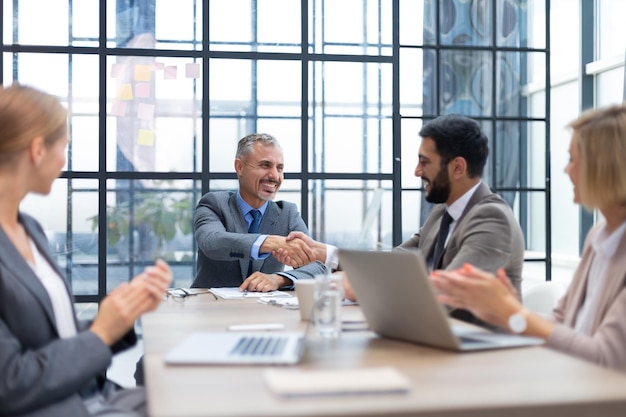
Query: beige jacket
[{"x": 607, "y": 345}]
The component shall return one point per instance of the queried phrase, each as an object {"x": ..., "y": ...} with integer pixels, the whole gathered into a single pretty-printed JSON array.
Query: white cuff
[{"x": 332, "y": 258}]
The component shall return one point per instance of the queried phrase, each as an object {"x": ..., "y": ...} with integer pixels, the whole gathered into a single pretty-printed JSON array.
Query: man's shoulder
[
  {"x": 283, "y": 205},
  {"x": 217, "y": 196}
]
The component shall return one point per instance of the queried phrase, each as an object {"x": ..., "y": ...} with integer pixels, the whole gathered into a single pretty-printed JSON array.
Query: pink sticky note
[
  {"x": 192, "y": 70},
  {"x": 170, "y": 73},
  {"x": 145, "y": 111},
  {"x": 118, "y": 108},
  {"x": 142, "y": 90},
  {"x": 158, "y": 65},
  {"x": 145, "y": 137},
  {"x": 116, "y": 70}
]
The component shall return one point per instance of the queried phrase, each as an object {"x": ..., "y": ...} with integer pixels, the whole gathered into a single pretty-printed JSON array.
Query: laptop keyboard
[{"x": 260, "y": 346}]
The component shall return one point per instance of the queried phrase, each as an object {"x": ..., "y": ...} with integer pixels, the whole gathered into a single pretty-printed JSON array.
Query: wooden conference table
[{"x": 532, "y": 381}]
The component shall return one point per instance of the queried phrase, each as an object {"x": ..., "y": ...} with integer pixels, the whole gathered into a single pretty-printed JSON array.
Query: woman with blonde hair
[
  {"x": 588, "y": 321},
  {"x": 53, "y": 364}
]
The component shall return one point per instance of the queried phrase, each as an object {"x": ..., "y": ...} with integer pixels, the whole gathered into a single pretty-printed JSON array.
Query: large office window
[{"x": 160, "y": 92}]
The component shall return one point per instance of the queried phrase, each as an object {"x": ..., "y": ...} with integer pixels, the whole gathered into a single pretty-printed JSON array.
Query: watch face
[{"x": 517, "y": 323}]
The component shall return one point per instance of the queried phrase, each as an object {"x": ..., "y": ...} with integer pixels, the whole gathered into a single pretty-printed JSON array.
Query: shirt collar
[
  {"x": 245, "y": 207},
  {"x": 456, "y": 209},
  {"x": 607, "y": 244}
]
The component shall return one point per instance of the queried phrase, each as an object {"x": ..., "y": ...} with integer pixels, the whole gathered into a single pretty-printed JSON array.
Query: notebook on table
[{"x": 399, "y": 302}]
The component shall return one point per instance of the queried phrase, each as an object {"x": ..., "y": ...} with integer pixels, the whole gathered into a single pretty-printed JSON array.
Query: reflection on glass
[{"x": 351, "y": 214}]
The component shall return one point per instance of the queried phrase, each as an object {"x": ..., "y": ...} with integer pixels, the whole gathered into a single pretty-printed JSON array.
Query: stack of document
[{"x": 233, "y": 293}]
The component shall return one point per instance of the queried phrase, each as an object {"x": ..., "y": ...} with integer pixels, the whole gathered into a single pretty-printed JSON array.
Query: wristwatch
[{"x": 517, "y": 323}]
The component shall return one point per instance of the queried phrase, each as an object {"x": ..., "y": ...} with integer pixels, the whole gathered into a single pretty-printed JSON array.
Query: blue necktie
[
  {"x": 254, "y": 228},
  {"x": 256, "y": 219}
]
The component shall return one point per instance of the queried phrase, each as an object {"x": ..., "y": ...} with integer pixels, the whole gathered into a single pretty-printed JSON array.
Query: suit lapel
[
  {"x": 240, "y": 227},
  {"x": 239, "y": 220},
  {"x": 22, "y": 273},
  {"x": 431, "y": 230},
  {"x": 481, "y": 192},
  {"x": 269, "y": 219}
]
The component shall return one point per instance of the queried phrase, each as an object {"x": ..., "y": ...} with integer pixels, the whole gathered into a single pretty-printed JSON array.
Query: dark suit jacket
[
  {"x": 42, "y": 374},
  {"x": 486, "y": 235},
  {"x": 224, "y": 242}
]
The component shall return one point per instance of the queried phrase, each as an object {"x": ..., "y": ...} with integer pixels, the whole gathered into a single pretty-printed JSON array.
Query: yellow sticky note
[
  {"x": 145, "y": 137},
  {"x": 125, "y": 92},
  {"x": 142, "y": 73}
]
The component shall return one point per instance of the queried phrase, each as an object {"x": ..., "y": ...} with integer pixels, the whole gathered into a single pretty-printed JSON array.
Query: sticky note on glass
[
  {"x": 158, "y": 65},
  {"x": 125, "y": 92},
  {"x": 145, "y": 137},
  {"x": 170, "y": 73},
  {"x": 118, "y": 108},
  {"x": 142, "y": 90},
  {"x": 145, "y": 111},
  {"x": 116, "y": 70},
  {"x": 192, "y": 70},
  {"x": 142, "y": 73}
]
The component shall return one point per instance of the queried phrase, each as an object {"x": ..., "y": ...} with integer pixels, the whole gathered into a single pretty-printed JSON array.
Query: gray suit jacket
[
  {"x": 486, "y": 235},
  {"x": 41, "y": 373},
  {"x": 224, "y": 242},
  {"x": 606, "y": 345}
]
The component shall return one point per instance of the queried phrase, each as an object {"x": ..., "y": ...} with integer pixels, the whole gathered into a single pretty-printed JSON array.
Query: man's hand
[
  {"x": 299, "y": 251},
  {"x": 285, "y": 256},
  {"x": 261, "y": 282}
]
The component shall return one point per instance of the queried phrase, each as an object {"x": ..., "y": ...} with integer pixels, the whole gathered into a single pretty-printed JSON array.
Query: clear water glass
[{"x": 327, "y": 310}]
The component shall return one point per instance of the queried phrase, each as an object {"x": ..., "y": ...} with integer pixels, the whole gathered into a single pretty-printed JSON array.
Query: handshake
[{"x": 295, "y": 250}]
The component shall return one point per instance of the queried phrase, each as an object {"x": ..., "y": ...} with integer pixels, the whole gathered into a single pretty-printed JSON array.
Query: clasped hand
[
  {"x": 119, "y": 310},
  {"x": 297, "y": 245}
]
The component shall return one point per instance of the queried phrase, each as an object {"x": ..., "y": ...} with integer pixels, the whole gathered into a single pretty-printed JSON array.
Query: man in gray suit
[
  {"x": 481, "y": 229},
  {"x": 233, "y": 251}
]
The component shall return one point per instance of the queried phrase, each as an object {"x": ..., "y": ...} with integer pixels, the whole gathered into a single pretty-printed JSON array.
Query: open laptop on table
[
  {"x": 399, "y": 302},
  {"x": 239, "y": 348}
]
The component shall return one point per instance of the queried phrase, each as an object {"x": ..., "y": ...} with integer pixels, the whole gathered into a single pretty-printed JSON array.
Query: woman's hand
[
  {"x": 489, "y": 297},
  {"x": 121, "y": 308}
]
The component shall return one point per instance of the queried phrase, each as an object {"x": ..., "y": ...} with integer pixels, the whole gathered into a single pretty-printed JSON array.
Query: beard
[{"x": 439, "y": 187}]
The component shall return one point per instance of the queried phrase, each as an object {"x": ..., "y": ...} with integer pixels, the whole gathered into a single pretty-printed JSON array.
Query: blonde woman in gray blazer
[
  {"x": 588, "y": 322},
  {"x": 52, "y": 364}
]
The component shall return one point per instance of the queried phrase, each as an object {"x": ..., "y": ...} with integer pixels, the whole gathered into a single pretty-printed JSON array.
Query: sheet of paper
[
  {"x": 290, "y": 303},
  {"x": 297, "y": 382},
  {"x": 233, "y": 293}
]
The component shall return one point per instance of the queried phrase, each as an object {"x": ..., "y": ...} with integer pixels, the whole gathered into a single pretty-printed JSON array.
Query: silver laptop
[
  {"x": 399, "y": 302},
  {"x": 239, "y": 348}
]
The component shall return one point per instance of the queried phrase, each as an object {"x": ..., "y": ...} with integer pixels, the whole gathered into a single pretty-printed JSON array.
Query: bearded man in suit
[{"x": 481, "y": 228}]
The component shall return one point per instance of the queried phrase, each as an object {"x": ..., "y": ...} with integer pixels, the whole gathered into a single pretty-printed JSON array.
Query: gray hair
[{"x": 246, "y": 144}]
